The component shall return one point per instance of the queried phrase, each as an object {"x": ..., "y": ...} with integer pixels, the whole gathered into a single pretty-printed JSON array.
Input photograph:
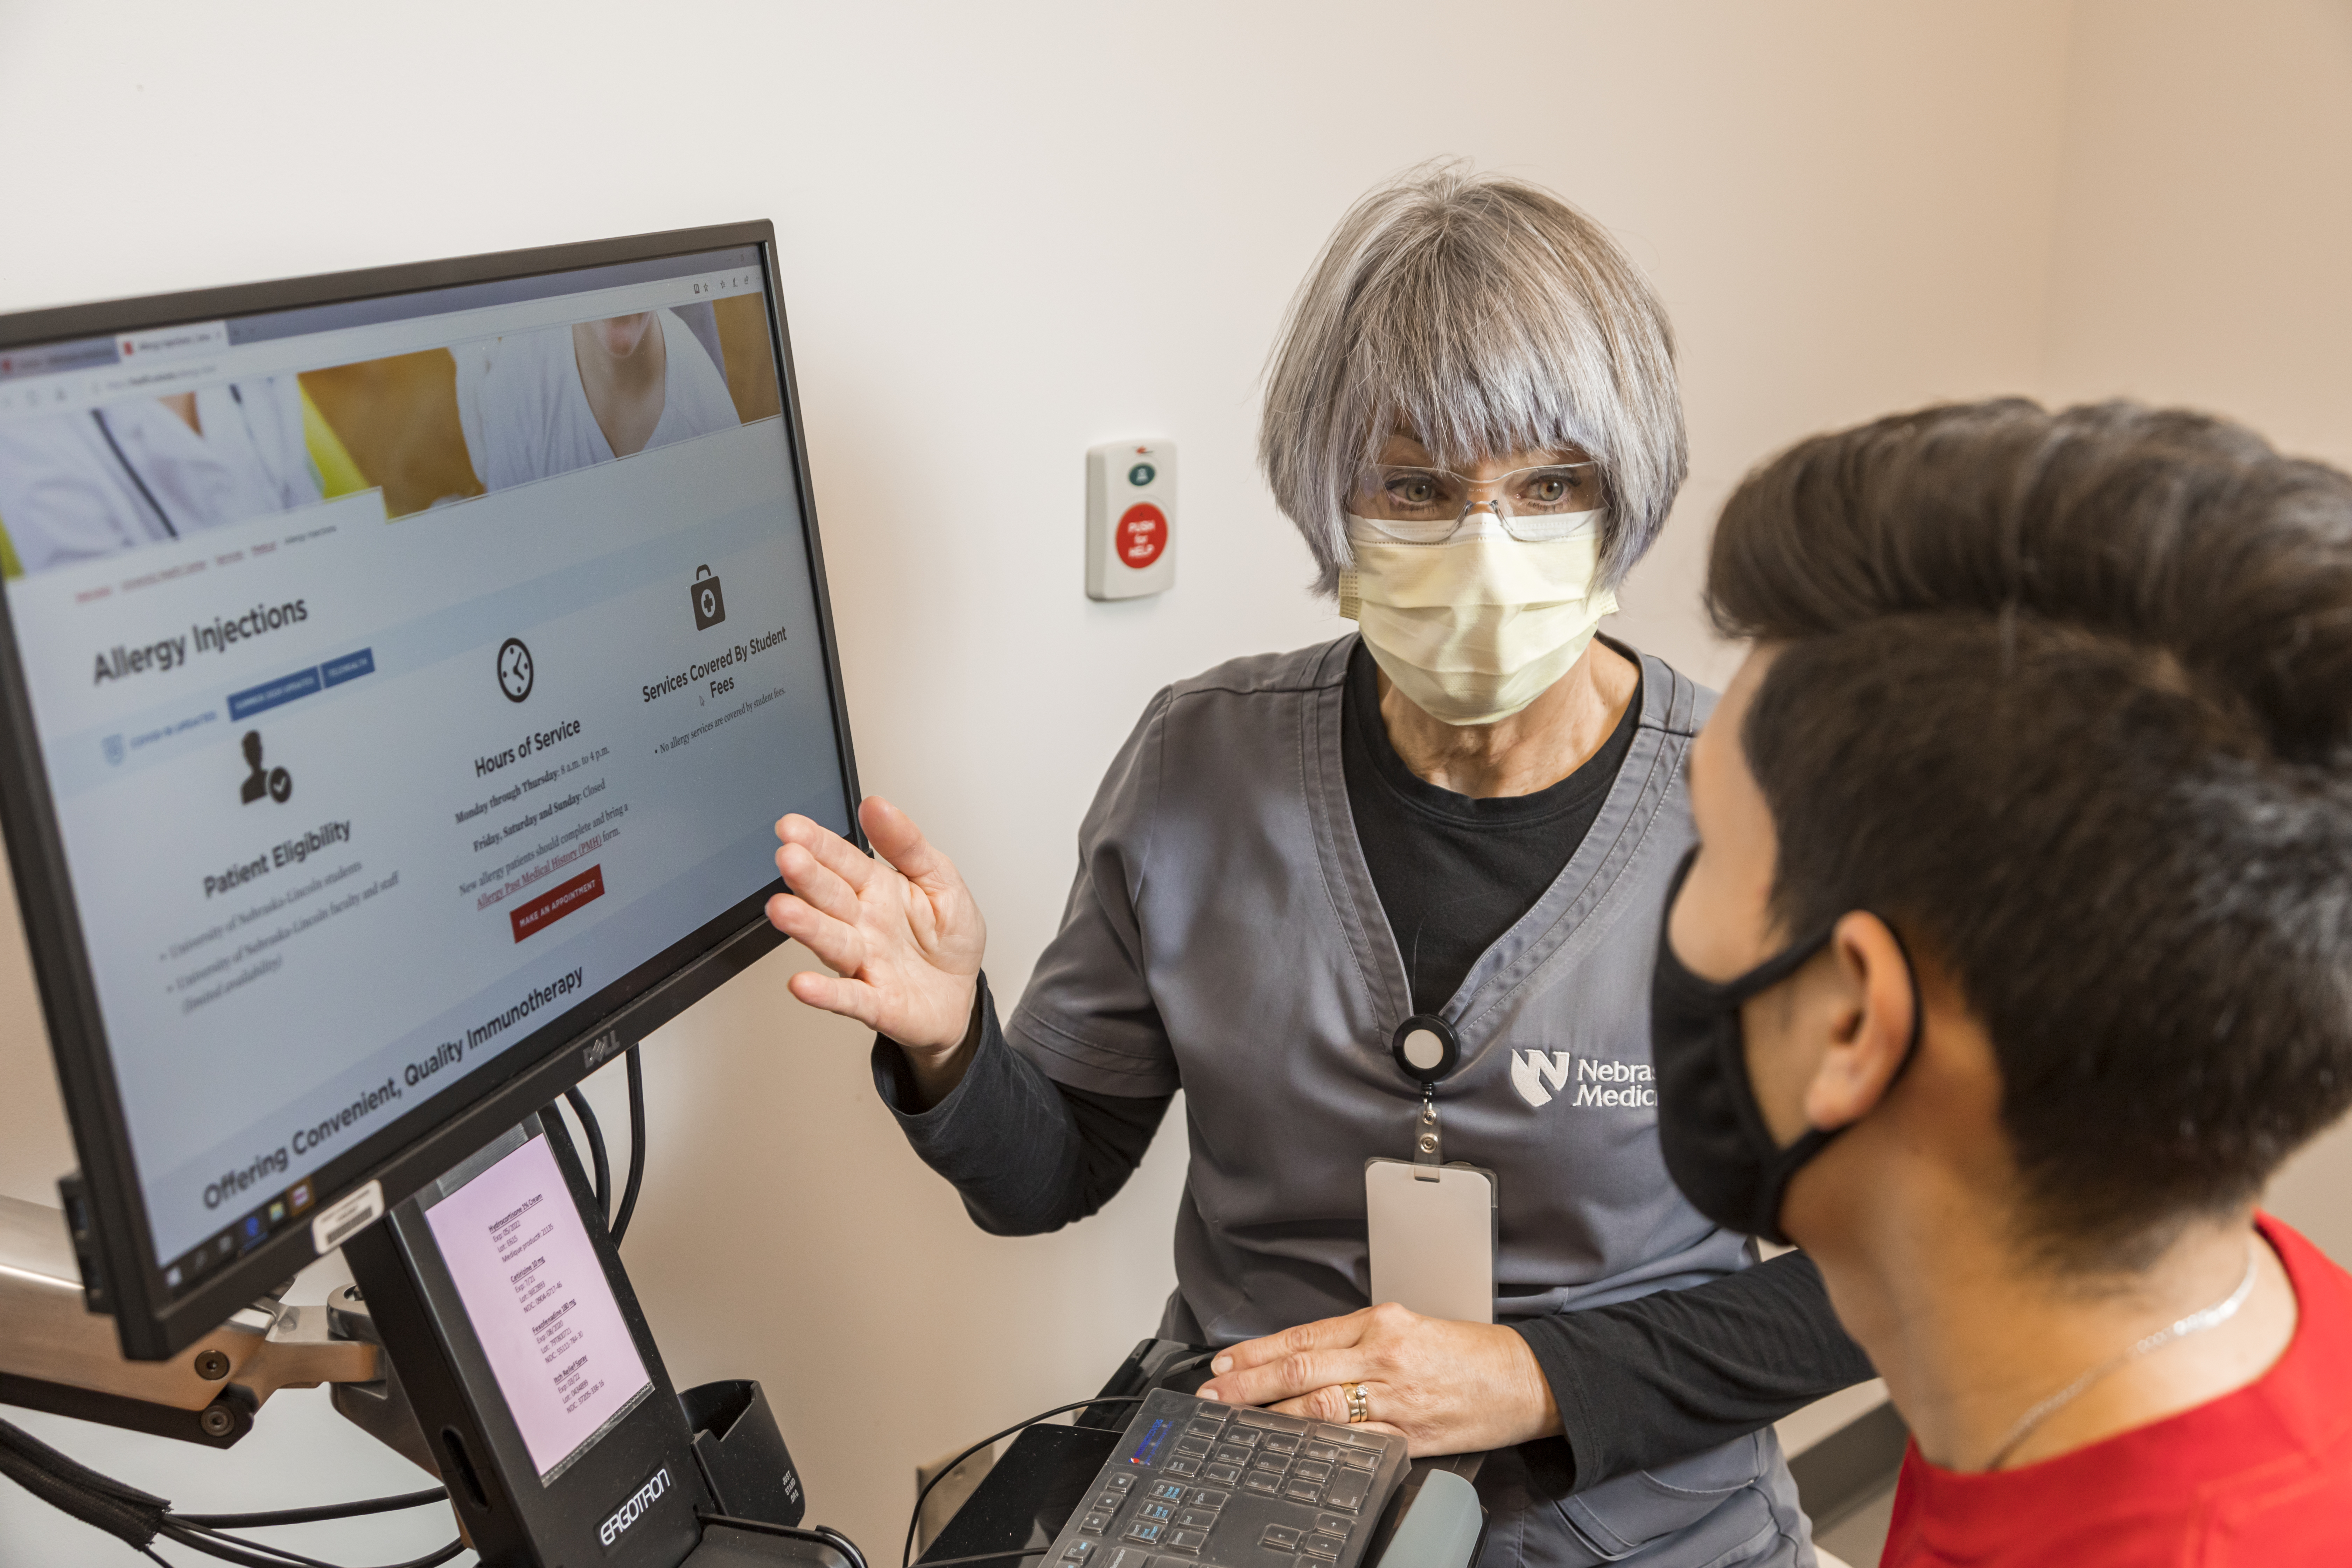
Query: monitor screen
[{"x": 401, "y": 683}]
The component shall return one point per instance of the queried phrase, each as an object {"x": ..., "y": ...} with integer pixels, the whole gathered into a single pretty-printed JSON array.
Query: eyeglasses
[{"x": 1428, "y": 506}]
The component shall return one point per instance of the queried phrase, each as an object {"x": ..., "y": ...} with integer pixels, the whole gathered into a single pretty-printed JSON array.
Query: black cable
[
  {"x": 311, "y": 1515},
  {"x": 818, "y": 1534},
  {"x": 636, "y": 1149},
  {"x": 907, "y": 1554},
  {"x": 138, "y": 1518},
  {"x": 257, "y": 1555},
  {"x": 596, "y": 1134}
]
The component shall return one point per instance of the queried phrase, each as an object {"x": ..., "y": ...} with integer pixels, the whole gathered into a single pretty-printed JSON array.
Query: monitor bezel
[{"x": 114, "y": 1240}]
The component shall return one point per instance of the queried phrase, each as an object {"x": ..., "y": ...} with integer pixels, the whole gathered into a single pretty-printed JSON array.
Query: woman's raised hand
[{"x": 900, "y": 933}]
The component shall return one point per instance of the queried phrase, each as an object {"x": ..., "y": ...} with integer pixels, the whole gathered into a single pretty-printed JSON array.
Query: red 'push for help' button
[
  {"x": 1142, "y": 534},
  {"x": 558, "y": 901}
]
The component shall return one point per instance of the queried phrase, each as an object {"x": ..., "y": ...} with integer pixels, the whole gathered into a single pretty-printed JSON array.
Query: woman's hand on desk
[
  {"x": 900, "y": 933},
  {"x": 1446, "y": 1387}
]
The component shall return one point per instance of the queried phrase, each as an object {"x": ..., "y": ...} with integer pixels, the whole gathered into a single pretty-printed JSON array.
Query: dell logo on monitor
[{"x": 629, "y": 1512}]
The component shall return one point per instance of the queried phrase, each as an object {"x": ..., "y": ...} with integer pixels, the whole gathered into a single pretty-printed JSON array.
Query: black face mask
[{"x": 1711, "y": 1130}]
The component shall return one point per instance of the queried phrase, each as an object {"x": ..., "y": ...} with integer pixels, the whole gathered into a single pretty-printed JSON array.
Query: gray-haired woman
[{"x": 1456, "y": 829}]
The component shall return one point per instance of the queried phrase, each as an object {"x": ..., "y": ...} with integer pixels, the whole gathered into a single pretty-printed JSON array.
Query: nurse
[{"x": 1466, "y": 816}]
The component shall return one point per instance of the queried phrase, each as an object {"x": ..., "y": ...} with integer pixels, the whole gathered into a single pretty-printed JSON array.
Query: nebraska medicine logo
[{"x": 1541, "y": 1076}]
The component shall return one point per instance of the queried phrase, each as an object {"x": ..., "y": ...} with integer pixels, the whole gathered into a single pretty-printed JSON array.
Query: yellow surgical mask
[{"x": 1475, "y": 628}]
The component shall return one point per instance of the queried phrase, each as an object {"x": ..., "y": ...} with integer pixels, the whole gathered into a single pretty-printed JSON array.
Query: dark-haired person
[{"x": 2017, "y": 953}]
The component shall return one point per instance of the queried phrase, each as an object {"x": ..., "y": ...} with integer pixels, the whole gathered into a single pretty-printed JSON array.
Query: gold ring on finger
[{"x": 1360, "y": 1406}]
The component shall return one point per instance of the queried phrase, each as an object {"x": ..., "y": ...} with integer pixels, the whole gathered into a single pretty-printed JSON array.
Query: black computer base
[{"x": 649, "y": 1489}]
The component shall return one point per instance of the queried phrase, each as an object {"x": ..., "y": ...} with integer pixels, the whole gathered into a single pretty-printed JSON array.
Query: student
[
  {"x": 2016, "y": 955},
  {"x": 537, "y": 404}
]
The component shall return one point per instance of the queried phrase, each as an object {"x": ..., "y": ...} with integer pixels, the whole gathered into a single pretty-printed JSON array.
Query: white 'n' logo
[{"x": 1535, "y": 1074}]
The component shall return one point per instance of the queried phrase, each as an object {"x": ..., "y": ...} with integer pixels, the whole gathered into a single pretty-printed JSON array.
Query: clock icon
[{"x": 514, "y": 670}]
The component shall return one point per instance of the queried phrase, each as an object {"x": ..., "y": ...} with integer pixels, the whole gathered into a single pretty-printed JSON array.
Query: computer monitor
[{"x": 400, "y": 674}]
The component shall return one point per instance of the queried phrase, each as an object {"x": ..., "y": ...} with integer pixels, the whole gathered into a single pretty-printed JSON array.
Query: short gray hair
[{"x": 1486, "y": 316}]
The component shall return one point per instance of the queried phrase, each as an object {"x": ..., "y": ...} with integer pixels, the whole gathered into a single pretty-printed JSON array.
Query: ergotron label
[
  {"x": 540, "y": 1305},
  {"x": 629, "y": 1512}
]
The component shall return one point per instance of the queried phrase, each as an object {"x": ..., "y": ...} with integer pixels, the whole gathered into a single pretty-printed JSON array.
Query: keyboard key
[
  {"x": 1196, "y": 1518},
  {"x": 1205, "y": 1428},
  {"x": 1182, "y": 1467},
  {"x": 1338, "y": 1435},
  {"x": 1221, "y": 1475},
  {"x": 1123, "y": 1557},
  {"x": 1324, "y": 1546},
  {"x": 1259, "y": 1481},
  {"x": 1281, "y": 1537},
  {"x": 1347, "y": 1493},
  {"x": 1201, "y": 1497},
  {"x": 1078, "y": 1551},
  {"x": 1321, "y": 1451},
  {"x": 1187, "y": 1541},
  {"x": 1270, "y": 1421},
  {"x": 1243, "y": 1437},
  {"x": 1307, "y": 1493},
  {"x": 1311, "y": 1470},
  {"x": 1232, "y": 1456},
  {"x": 1332, "y": 1524},
  {"x": 1146, "y": 1531},
  {"x": 1168, "y": 1490},
  {"x": 1155, "y": 1510},
  {"x": 1361, "y": 1460},
  {"x": 1094, "y": 1524},
  {"x": 1278, "y": 1443},
  {"x": 1107, "y": 1502},
  {"x": 1271, "y": 1462},
  {"x": 1118, "y": 1481},
  {"x": 1193, "y": 1449}
]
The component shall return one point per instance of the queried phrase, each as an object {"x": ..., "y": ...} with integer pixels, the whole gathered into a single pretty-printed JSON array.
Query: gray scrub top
[{"x": 1223, "y": 937}]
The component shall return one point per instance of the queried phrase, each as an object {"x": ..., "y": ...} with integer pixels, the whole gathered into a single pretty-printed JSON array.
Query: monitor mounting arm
[{"x": 58, "y": 1356}]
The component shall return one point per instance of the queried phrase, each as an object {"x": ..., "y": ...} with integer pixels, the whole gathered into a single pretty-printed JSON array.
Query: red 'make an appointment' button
[{"x": 558, "y": 901}]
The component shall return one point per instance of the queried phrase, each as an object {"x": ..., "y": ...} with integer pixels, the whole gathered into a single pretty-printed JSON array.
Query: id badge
[{"x": 1433, "y": 1242}]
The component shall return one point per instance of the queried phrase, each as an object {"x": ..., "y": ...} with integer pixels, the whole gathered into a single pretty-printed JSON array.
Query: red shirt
[{"x": 2261, "y": 1478}]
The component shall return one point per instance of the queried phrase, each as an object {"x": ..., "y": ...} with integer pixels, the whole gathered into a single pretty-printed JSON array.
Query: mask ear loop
[{"x": 1784, "y": 1165}]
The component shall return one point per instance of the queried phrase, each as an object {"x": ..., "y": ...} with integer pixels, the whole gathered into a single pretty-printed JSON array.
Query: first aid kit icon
[{"x": 709, "y": 603}]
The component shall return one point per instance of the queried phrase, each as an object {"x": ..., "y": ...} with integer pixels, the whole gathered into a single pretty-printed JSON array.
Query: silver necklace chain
[{"x": 2196, "y": 1323}]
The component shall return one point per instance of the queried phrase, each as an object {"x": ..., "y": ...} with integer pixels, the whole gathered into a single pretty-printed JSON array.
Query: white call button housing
[{"x": 1131, "y": 518}]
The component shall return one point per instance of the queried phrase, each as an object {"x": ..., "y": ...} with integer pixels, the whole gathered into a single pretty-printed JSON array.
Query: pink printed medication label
[{"x": 540, "y": 1305}]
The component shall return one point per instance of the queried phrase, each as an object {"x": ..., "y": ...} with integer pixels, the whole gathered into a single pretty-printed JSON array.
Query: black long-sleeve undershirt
[{"x": 1638, "y": 1382}]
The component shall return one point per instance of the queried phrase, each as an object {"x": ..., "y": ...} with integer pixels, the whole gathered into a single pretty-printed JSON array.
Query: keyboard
[{"x": 1196, "y": 1484}]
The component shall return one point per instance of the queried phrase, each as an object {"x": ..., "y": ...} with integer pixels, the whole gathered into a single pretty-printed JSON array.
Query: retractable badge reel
[
  {"x": 1427, "y": 1051},
  {"x": 1430, "y": 1226}
]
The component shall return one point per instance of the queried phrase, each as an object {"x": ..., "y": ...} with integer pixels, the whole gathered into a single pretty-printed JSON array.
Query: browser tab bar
[
  {"x": 47, "y": 358},
  {"x": 173, "y": 343}
]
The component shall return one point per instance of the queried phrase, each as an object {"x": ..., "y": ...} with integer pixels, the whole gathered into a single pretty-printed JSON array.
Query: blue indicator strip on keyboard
[{"x": 1148, "y": 1449}]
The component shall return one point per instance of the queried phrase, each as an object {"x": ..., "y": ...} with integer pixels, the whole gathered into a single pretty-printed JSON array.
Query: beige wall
[
  {"x": 1002, "y": 241},
  {"x": 2204, "y": 245}
]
